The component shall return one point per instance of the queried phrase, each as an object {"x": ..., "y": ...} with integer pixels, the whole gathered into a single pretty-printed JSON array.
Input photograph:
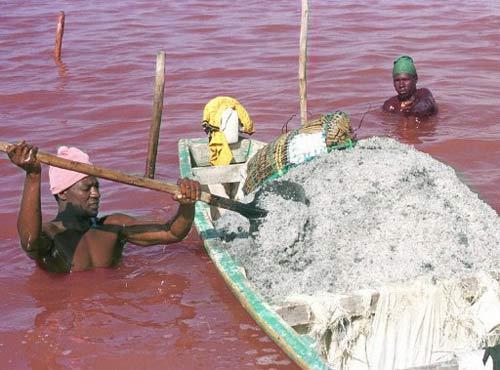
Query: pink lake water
[{"x": 166, "y": 306}]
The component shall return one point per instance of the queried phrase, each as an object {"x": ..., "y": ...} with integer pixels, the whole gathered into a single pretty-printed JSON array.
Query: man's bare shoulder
[{"x": 424, "y": 92}]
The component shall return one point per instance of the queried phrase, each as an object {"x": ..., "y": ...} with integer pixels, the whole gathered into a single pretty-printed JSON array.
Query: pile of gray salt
[{"x": 379, "y": 213}]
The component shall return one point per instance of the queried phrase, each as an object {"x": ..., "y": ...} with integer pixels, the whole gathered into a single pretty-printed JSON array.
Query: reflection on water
[
  {"x": 168, "y": 305},
  {"x": 63, "y": 74},
  {"x": 77, "y": 316},
  {"x": 144, "y": 307},
  {"x": 411, "y": 130}
]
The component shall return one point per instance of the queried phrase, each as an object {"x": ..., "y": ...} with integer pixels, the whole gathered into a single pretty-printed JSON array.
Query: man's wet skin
[{"x": 76, "y": 239}]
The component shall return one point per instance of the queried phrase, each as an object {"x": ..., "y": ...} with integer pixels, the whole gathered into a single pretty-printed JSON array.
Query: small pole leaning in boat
[
  {"x": 59, "y": 36},
  {"x": 303, "y": 61},
  {"x": 154, "y": 131}
]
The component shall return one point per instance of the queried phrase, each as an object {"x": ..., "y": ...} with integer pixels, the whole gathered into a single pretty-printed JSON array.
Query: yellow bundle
[{"x": 220, "y": 153}]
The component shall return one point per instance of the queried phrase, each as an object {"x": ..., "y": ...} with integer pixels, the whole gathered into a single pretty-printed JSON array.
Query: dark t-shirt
[{"x": 424, "y": 104}]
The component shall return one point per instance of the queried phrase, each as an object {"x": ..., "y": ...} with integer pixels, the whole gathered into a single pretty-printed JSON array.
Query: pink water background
[{"x": 166, "y": 307}]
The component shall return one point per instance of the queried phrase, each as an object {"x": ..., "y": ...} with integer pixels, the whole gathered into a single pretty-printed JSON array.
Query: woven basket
[{"x": 272, "y": 160}]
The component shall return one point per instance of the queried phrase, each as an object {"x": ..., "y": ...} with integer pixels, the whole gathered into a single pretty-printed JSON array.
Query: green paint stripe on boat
[{"x": 299, "y": 350}]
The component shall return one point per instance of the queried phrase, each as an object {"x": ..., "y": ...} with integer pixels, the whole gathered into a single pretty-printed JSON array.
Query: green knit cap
[{"x": 404, "y": 64}]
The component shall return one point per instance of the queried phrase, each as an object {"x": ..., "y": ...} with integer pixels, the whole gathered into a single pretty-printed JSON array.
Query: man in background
[{"x": 410, "y": 101}]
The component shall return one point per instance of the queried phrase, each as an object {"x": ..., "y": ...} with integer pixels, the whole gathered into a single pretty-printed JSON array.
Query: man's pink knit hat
[{"x": 61, "y": 179}]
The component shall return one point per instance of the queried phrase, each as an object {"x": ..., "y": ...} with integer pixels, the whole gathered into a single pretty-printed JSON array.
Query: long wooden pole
[
  {"x": 303, "y": 61},
  {"x": 247, "y": 210},
  {"x": 154, "y": 131},
  {"x": 59, "y": 36}
]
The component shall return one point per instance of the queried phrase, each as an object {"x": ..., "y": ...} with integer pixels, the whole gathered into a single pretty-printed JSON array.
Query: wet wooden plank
[{"x": 218, "y": 174}]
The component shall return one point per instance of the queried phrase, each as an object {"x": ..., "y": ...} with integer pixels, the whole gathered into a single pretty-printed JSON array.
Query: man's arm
[
  {"x": 138, "y": 232},
  {"x": 29, "y": 222}
]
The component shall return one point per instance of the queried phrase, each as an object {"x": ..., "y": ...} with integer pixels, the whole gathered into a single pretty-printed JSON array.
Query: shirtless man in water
[
  {"x": 76, "y": 239},
  {"x": 410, "y": 101}
]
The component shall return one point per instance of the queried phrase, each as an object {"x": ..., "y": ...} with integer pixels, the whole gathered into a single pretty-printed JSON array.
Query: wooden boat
[
  {"x": 193, "y": 161},
  {"x": 287, "y": 325}
]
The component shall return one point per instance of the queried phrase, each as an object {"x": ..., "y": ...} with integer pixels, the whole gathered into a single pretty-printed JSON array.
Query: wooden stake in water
[
  {"x": 302, "y": 61},
  {"x": 59, "y": 36},
  {"x": 154, "y": 132}
]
